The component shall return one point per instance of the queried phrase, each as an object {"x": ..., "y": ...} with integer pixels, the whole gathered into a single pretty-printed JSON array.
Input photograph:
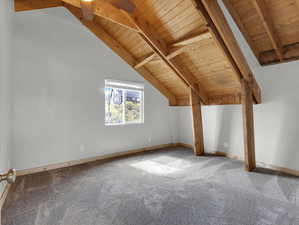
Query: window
[{"x": 123, "y": 102}]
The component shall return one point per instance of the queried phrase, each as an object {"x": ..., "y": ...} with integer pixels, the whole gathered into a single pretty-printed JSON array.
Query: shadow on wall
[
  {"x": 287, "y": 148},
  {"x": 224, "y": 133}
]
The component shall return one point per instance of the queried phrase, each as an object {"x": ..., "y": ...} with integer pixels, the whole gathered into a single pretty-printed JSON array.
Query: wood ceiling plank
[
  {"x": 233, "y": 12},
  {"x": 106, "y": 10},
  {"x": 24, "y": 5},
  {"x": 265, "y": 16},
  {"x": 183, "y": 47},
  {"x": 102, "y": 34},
  {"x": 159, "y": 46},
  {"x": 145, "y": 60},
  {"x": 194, "y": 38},
  {"x": 224, "y": 37}
]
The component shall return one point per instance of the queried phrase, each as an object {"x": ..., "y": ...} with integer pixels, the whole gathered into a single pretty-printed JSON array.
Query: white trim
[
  {"x": 124, "y": 84},
  {"x": 123, "y": 90}
]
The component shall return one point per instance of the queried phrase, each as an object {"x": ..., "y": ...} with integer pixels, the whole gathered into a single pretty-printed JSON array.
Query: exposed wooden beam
[
  {"x": 105, "y": 10},
  {"x": 225, "y": 39},
  {"x": 153, "y": 57},
  {"x": 248, "y": 126},
  {"x": 291, "y": 53},
  {"x": 235, "y": 15},
  {"x": 159, "y": 46},
  {"x": 263, "y": 12},
  {"x": 87, "y": 7},
  {"x": 194, "y": 38},
  {"x": 197, "y": 128},
  {"x": 227, "y": 99},
  {"x": 178, "y": 48},
  {"x": 24, "y": 5},
  {"x": 103, "y": 35},
  {"x": 145, "y": 60}
]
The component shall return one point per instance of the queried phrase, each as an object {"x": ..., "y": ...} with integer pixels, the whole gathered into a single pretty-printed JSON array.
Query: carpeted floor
[{"x": 167, "y": 187}]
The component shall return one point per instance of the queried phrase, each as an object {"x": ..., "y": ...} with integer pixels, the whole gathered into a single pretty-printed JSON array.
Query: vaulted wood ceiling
[
  {"x": 271, "y": 27},
  {"x": 176, "y": 45}
]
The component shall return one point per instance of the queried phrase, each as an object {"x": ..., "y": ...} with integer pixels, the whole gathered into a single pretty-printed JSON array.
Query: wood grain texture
[
  {"x": 107, "y": 11},
  {"x": 87, "y": 8},
  {"x": 227, "y": 35},
  {"x": 271, "y": 28},
  {"x": 171, "y": 45},
  {"x": 248, "y": 126},
  {"x": 24, "y": 5},
  {"x": 197, "y": 128},
  {"x": 159, "y": 46},
  {"x": 264, "y": 14},
  {"x": 122, "y": 52}
]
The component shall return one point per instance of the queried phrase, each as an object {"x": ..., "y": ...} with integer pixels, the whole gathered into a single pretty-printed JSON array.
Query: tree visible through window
[{"x": 123, "y": 103}]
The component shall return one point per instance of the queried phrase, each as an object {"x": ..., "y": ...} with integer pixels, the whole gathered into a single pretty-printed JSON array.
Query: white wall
[
  {"x": 58, "y": 97},
  {"x": 5, "y": 59},
  {"x": 276, "y": 124}
]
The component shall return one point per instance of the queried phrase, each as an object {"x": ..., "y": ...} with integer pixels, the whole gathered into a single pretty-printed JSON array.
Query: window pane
[
  {"x": 114, "y": 105},
  {"x": 133, "y": 106}
]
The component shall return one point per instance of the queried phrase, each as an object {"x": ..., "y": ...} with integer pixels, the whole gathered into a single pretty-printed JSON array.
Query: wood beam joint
[
  {"x": 160, "y": 47},
  {"x": 264, "y": 15}
]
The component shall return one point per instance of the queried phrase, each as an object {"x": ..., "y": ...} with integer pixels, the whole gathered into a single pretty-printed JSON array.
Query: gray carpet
[{"x": 168, "y": 187}]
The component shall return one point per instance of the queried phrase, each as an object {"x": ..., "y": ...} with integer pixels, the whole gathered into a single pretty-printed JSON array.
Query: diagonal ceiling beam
[
  {"x": 159, "y": 46},
  {"x": 103, "y": 35},
  {"x": 263, "y": 13},
  {"x": 234, "y": 13},
  {"x": 24, "y": 5},
  {"x": 105, "y": 10},
  {"x": 225, "y": 39},
  {"x": 154, "y": 58}
]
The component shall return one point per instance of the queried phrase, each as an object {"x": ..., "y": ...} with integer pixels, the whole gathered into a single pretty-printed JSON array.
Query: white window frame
[{"x": 126, "y": 85}]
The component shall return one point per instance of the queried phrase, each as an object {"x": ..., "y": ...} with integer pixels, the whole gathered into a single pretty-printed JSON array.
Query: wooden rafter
[
  {"x": 291, "y": 53},
  {"x": 248, "y": 126},
  {"x": 159, "y": 46},
  {"x": 124, "y": 13},
  {"x": 194, "y": 38},
  {"x": 122, "y": 52},
  {"x": 145, "y": 60},
  {"x": 24, "y": 5},
  {"x": 106, "y": 10},
  {"x": 197, "y": 128},
  {"x": 237, "y": 19},
  {"x": 263, "y": 12},
  {"x": 224, "y": 37},
  {"x": 178, "y": 48}
]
